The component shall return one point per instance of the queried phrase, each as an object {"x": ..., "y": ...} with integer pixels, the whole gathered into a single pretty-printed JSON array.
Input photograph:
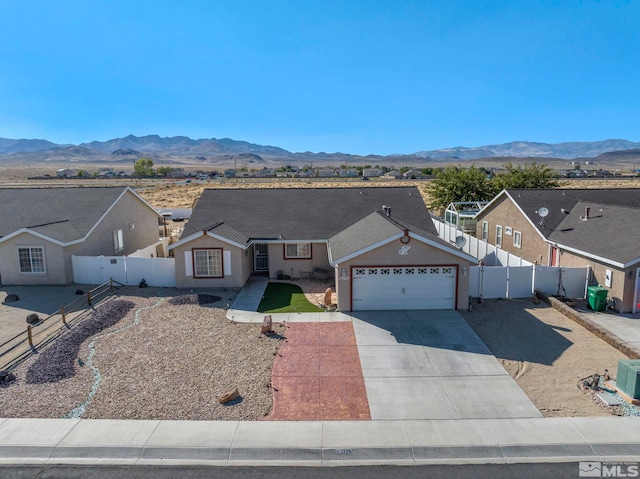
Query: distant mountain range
[{"x": 181, "y": 149}]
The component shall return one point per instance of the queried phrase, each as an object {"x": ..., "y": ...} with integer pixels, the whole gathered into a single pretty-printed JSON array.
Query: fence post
[
  {"x": 89, "y": 297},
  {"x": 64, "y": 319},
  {"x": 30, "y": 335},
  {"x": 111, "y": 284}
]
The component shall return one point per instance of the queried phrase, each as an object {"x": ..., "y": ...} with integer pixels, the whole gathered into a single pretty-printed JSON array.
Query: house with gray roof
[
  {"x": 42, "y": 228},
  {"x": 378, "y": 244},
  {"x": 572, "y": 228}
]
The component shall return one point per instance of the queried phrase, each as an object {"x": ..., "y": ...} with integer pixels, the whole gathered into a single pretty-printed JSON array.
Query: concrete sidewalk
[{"x": 328, "y": 443}]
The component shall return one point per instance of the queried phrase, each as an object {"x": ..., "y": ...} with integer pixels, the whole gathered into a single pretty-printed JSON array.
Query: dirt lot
[{"x": 545, "y": 352}]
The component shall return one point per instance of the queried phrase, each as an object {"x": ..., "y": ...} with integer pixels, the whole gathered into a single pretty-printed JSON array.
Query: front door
[{"x": 260, "y": 257}]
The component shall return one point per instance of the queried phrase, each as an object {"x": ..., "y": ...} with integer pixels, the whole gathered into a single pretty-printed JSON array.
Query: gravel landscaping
[{"x": 170, "y": 355}]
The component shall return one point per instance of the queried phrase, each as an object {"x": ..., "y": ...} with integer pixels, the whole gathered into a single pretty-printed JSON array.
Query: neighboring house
[
  {"x": 42, "y": 228},
  {"x": 379, "y": 244},
  {"x": 371, "y": 172},
  {"x": 573, "y": 228},
  {"x": 412, "y": 174},
  {"x": 326, "y": 173},
  {"x": 395, "y": 174},
  {"x": 106, "y": 174},
  {"x": 66, "y": 173}
]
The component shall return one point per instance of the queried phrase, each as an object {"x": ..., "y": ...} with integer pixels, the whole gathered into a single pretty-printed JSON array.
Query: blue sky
[{"x": 359, "y": 77}]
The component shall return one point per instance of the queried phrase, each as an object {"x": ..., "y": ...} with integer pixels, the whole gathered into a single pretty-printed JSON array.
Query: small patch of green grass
[{"x": 286, "y": 298}]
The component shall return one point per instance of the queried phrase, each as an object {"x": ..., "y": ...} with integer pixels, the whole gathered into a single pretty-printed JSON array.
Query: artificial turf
[{"x": 286, "y": 298}]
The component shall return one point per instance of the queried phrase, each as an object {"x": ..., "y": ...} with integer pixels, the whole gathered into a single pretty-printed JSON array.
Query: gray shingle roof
[
  {"x": 63, "y": 214},
  {"x": 370, "y": 230},
  {"x": 555, "y": 200},
  {"x": 301, "y": 213},
  {"x": 611, "y": 232}
]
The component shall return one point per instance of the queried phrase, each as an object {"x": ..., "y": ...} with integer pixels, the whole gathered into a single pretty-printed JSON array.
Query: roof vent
[
  {"x": 586, "y": 213},
  {"x": 386, "y": 209}
]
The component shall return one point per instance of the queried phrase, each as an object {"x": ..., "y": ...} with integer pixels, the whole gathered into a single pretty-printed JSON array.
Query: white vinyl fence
[
  {"x": 492, "y": 282},
  {"x": 485, "y": 252},
  {"x": 505, "y": 275},
  {"x": 132, "y": 269}
]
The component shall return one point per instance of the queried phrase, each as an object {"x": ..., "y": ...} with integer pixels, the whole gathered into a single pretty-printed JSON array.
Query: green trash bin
[{"x": 597, "y": 297}]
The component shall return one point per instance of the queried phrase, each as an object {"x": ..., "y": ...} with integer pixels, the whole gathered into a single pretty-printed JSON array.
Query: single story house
[
  {"x": 573, "y": 228},
  {"x": 378, "y": 244},
  {"x": 42, "y": 228}
]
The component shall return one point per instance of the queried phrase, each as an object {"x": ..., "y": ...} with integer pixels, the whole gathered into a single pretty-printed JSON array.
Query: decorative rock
[
  {"x": 327, "y": 297},
  {"x": 229, "y": 396},
  {"x": 79, "y": 291},
  {"x": 6, "y": 377},
  {"x": 267, "y": 325},
  {"x": 33, "y": 318},
  {"x": 11, "y": 298}
]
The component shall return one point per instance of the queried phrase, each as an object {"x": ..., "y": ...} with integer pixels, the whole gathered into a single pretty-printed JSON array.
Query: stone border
[{"x": 631, "y": 351}]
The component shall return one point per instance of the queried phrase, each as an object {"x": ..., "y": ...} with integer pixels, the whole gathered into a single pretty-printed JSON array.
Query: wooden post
[
  {"x": 30, "y": 335},
  {"x": 64, "y": 319},
  {"x": 111, "y": 284},
  {"x": 89, "y": 297}
]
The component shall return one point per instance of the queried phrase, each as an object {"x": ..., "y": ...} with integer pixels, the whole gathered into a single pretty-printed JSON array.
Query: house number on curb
[
  {"x": 404, "y": 251},
  {"x": 341, "y": 452}
]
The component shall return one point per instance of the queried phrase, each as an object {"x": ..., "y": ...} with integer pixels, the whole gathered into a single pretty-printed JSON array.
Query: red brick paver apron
[{"x": 317, "y": 375}]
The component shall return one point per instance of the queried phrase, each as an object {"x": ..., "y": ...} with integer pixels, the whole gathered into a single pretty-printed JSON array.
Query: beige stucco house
[
  {"x": 598, "y": 228},
  {"x": 42, "y": 228},
  {"x": 377, "y": 245}
]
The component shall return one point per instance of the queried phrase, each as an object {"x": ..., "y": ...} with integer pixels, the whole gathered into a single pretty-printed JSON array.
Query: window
[
  {"x": 297, "y": 251},
  {"x": 118, "y": 241},
  {"x": 517, "y": 239},
  {"x": 485, "y": 230},
  {"x": 508, "y": 231},
  {"x": 207, "y": 263},
  {"x": 31, "y": 259},
  {"x": 499, "y": 236}
]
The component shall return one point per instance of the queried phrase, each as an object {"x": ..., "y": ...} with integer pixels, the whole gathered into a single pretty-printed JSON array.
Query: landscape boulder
[
  {"x": 11, "y": 298},
  {"x": 6, "y": 377},
  {"x": 33, "y": 318},
  {"x": 229, "y": 396}
]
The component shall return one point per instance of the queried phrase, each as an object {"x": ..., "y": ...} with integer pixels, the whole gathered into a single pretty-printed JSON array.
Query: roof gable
[{"x": 62, "y": 214}]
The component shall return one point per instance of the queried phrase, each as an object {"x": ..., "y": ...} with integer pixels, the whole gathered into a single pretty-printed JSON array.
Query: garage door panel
[{"x": 400, "y": 287}]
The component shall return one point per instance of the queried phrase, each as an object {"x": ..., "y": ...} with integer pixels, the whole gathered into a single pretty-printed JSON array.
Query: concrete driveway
[{"x": 432, "y": 365}]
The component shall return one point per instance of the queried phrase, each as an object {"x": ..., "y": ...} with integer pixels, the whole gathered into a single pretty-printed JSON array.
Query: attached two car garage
[{"x": 403, "y": 287}]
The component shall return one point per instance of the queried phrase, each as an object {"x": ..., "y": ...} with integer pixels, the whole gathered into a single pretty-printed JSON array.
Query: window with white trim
[
  {"x": 485, "y": 230},
  {"x": 31, "y": 259},
  {"x": 517, "y": 239},
  {"x": 118, "y": 241},
  {"x": 207, "y": 263},
  {"x": 297, "y": 251},
  {"x": 498, "y": 236}
]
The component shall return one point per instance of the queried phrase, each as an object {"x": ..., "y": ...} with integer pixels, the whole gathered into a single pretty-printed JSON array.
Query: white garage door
[{"x": 402, "y": 287}]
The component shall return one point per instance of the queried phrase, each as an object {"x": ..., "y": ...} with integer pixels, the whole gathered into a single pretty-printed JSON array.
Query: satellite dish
[
  {"x": 460, "y": 242},
  {"x": 542, "y": 211}
]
